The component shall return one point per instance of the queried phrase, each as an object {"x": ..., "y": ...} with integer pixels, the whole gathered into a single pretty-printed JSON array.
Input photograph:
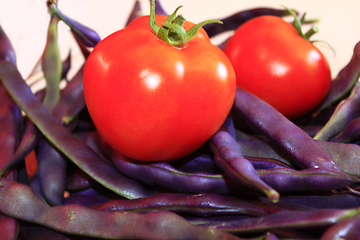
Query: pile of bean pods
[{"x": 261, "y": 176}]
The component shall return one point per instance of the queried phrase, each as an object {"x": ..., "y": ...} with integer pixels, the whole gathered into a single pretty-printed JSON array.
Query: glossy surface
[
  {"x": 273, "y": 62},
  {"x": 152, "y": 101}
]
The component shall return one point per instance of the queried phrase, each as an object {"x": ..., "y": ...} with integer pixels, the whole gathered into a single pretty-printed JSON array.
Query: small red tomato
[
  {"x": 152, "y": 101},
  {"x": 272, "y": 61}
]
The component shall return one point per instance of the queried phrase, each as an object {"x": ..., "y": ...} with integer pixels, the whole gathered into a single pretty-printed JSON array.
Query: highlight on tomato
[
  {"x": 158, "y": 89},
  {"x": 275, "y": 61}
]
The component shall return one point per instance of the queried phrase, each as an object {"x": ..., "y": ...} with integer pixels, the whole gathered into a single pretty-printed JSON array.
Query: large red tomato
[
  {"x": 155, "y": 102},
  {"x": 274, "y": 62}
]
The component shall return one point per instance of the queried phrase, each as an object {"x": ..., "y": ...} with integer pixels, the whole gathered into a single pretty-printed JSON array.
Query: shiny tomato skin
[
  {"x": 274, "y": 62},
  {"x": 155, "y": 102}
]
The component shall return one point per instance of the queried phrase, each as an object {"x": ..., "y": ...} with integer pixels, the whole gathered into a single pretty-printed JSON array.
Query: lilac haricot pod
[
  {"x": 88, "y": 36},
  {"x": 41, "y": 233},
  {"x": 351, "y": 132},
  {"x": 75, "y": 150},
  {"x": 7, "y": 51},
  {"x": 135, "y": 13},
  {"x": 266, "y": 163},
  {"x": 236, "y": 20},
  {"x": 68, "y": 95},
  {"x": 346, "y": 111},
  {"x": 159, "y": 10},
  {"x": 346, "y": 155},
  {"x": 228, "y": 126},
  {"x": 204, "y": 205},
  {"x": 52, "y": 173},
  {"x": 347, "y": 229},
  {"x": 229, "y": 158},
  {"x": 288, "y": 219},
  {"x": 20, "y": 202},
  {"x": 283, "y": 133},
  {"x": 329, "y": 200},
  {"x": 252, "y": 148},
  {"x": 344, "y": 81}
]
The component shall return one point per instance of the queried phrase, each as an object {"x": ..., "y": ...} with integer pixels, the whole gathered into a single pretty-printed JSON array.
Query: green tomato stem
[
  {"x": 314, "y": 29},
  {"x": 172, "y": 31}
]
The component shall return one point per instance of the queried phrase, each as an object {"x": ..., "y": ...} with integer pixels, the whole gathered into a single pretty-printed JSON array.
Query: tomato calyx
[
  {"x": 172, "y": 31},
  {"x": 297, "y": 24}
]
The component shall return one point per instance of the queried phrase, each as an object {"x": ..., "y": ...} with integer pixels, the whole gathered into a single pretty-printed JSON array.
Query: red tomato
[
  {"x": 274, "y": 62},
  {"x": 152, "y": 101}
]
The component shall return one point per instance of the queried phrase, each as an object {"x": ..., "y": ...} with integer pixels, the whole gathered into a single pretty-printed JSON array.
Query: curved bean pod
[
  {"x": 52, "y": 173},
  {"x": 351, "y": 133},
  {"x": 300, "y": 219},
  {"x": 288, "y": 137},
  {"x": 51, "y": 66},
  {"x": 282, "y": 180},
  {"x": 41, "y": 233},
  {"x": 199, "y": 204},
  {"x": 344, "y": 81},
  {"x": 19, "y": 201},
  {"x": 347, "y": 229},
  {"x": 229, "y": 158},
  {"x": 86, "y": 35},
  {"x": 77, "y": 151},
  {"x": 329, "y": 200},
  {"x": 234, "y": 21},
  {"x": 7, "y": 51},
  {"x": 135, "y": 13},
  {"x": 346, "y": 156},
  {"x": 346, "y": 111},
  {"x": 68, "y": 95}
]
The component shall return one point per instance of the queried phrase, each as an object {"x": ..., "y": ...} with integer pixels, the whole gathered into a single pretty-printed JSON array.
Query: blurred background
[{"x": 26, "y": 22}]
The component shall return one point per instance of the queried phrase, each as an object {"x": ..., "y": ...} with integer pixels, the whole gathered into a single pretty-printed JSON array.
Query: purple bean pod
[
  {"x": 66, "y": 65},
  {"x": 78, "y": 180},
  {"x": 52, "y": 173},
  {"x": 86, "y": 35},
  {"x": 159, "y": 10},
  {"x": 229, "y": 158},
  {"x": 351, "y": 133},
  {"x": 286, "y": 180},
  {"x": 346, "y": 111},
  {"x": 29, "y": 141},
  {"x": 198, "y": 161},
  {"x": 288, "y": 137},
  {"x": 346, "y": 229},
  {"x": 135, "y": 13},
  {"x": 288, "y": 219},
  {"x": 228, "y": 126},
  {"x": 41, "y": 233},
  {"x": 72, "y": 91},
  {"x": 266, "y": 163},
  {"x": 234, "y": 21},
  {"x": 7, "y": 51},
  {"x": 75, "y": 150},
  {"x": 93, "y": 196},
  {"x": 204, "y": 205},
  {"x": 344, "y": 81},
  {"x": 330, "y": 200},
  {"x": 346, "y": 155},
  {"x": 282, "y": 180},
  {"x": 10, "y": 118},
  {"x": 84, "y": 49},
  {"x": 19, "y": 201},
  {"x": 264, "y": 149}
]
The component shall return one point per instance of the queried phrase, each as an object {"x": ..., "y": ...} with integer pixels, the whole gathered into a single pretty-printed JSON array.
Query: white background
[{"x": 26, "y": 21}]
